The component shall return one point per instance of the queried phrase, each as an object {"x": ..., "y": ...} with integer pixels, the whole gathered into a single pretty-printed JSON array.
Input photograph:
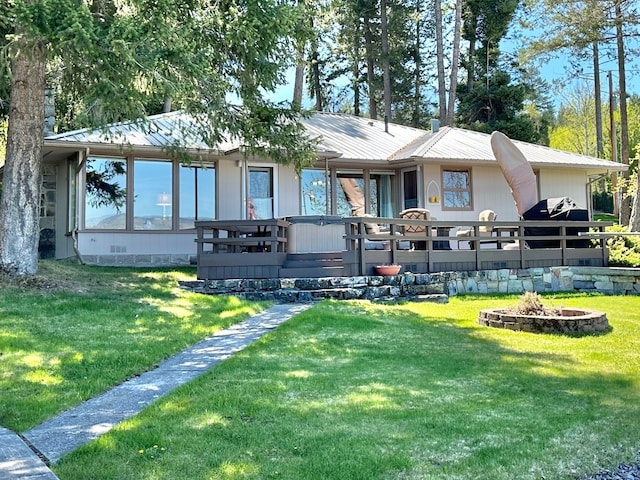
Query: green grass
[
  {"x": 74, "y": 331},
  {"x": 607, "y": 217},
  {"x": 354, "y": 390}
]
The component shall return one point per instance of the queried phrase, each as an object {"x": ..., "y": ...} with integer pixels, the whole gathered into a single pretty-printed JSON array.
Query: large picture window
[
  {"x": 456, "y": 189},
  {"x": 105, "y": 193},
  {"x": 153, "y": 195},
  {"x": 197, "y": 194}
]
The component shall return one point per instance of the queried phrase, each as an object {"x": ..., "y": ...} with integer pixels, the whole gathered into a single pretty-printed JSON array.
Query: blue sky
[{"x": 553, "y": 71}]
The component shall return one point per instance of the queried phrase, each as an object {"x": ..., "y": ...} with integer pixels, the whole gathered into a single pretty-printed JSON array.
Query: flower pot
[{"x": 388, "y": 270}]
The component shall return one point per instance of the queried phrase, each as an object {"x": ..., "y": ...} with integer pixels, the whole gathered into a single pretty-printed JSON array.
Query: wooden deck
[{"x": 262, "y": 248}]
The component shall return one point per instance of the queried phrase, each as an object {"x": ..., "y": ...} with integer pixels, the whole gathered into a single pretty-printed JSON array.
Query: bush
[
  {"x": 624, "y": 251},
  {"x": 603, "y": 201}
]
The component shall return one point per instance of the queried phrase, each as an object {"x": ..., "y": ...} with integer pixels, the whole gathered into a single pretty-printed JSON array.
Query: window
[
  {"x": 381, "y": 194},
  {"x": 350, "y": 199},
  {"x": 456, "y": 189},
  {"x": 410, "y": 188},
  {"x": 314, "y": 192},
  {"x": 106, "y": 193},
  {"x": 152, "y": 195},
  {"x": 260, "y": 201},
  {"x": 197, "y": 194},
  {"x": 354, "y": 196}
]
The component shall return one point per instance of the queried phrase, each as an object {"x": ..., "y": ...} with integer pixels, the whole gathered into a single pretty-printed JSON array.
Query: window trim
[
  {"x": 83, "y": 194},
  {"x": 469, "y": 172},
  {"x": 129, "y": 161},
  {"x": 178, "y": 166}
]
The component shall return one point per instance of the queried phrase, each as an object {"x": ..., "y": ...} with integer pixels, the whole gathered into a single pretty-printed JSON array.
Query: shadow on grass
[
  {"x": 78, "y": 331},
  {"x": 351, "y": 390}
]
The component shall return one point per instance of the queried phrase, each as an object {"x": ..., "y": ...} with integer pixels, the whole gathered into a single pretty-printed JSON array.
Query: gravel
[{"x": 624, "y": 471}]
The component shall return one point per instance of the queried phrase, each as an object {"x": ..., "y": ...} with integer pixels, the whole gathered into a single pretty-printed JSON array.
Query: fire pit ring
[{"x": 567, "y": 320}]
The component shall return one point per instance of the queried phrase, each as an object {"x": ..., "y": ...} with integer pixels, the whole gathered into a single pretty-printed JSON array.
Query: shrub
[
  {"x": 624, "y": 251},
  {"x": 530, "y": 303}
]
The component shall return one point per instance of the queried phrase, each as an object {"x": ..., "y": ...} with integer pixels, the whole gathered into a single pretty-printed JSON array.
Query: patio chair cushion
[
  {"x": 370, "y": 227},
  {"x": 415, "y": 214},
  {"x": 483, "y": 230}
]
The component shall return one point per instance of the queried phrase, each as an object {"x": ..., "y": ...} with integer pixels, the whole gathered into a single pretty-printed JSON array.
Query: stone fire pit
[{"x": 565, "y": 320}]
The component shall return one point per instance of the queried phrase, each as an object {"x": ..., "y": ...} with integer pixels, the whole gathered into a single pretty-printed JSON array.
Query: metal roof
[
  {"x": 359, "y": 138},
  {"x": 157, "y": 131},
  {"x": 456, "y": 144},
  {"x": 348, "y": 137}
]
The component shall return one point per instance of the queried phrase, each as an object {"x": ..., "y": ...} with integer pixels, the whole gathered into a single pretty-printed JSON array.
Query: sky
[{"x": 553, "y": 71}]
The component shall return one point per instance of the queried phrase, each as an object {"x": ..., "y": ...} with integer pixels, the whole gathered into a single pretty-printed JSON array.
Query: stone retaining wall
[
  {"x": 417, "y": 287},
  {"x": 619, "y": 281},
  {"x": 429, "y": 287}
]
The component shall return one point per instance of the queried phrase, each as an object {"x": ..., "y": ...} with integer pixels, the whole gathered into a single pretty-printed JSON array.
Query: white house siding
[
  {"x": 229, "y": 188},
  {"x": 288, "y": 192},
  {"x": 128, "y": 248},
  {"x": 564, "y": 182},
  {"x": 431, "y": 173},
  {"x": 64, "y": 242},
  {"x": 489, "y": 190}
]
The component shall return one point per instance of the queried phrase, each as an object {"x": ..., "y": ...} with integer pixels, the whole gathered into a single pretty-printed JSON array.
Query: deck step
[
  {"x": 312, "y": 263},
  {"x": 313, "y": 260},
  {"x": 315, "y": 256},
  {"x": 311, "y": 272}
]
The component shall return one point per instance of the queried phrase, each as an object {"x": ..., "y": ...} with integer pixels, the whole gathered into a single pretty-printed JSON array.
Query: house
[{"x": 120, "y": 198}]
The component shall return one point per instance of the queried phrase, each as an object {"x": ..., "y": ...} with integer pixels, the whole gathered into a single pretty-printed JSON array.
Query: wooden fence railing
[{"x": 259, "y": 248}]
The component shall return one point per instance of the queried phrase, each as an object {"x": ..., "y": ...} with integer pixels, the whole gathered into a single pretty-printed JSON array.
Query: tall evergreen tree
[{"x": 115, "y": 55}]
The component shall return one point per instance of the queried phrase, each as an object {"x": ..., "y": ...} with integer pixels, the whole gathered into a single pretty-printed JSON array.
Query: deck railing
[
  {"x": 241, "y": 248},
  {"x": 518, "y": 244},
  {"x": 259, "y": 248}
]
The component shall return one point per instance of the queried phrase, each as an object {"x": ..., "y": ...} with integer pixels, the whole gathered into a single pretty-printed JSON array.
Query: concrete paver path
[{"x": 86, "y": 422}]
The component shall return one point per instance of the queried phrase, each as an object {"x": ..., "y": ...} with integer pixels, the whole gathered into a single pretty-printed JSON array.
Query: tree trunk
[
  {"x": 471, "y": 67},
  {"x": 356, "y": 73},
  {"x": 598, "y": 99},
  {"x": 442, "y": 94},
  {"x": 315, "y": 71},
  {"x": 613, "y": 138},
  {"x": 299, "y": 82},
  {"x": 417, "y": 81},
  {"x": 634, "y": 220},
  {"x": 624, "y": 121},
  {"x": 455, "y": 61},
  {"x": 368, "y": 47},
  {"x": 386, "y": 75},
  {"x": 20, "y": 202}
]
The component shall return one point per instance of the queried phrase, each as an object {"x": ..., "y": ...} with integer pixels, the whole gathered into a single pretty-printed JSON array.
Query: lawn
[
  {"x": 354, "y": 390},
  {"x": 73, "y": 331}
]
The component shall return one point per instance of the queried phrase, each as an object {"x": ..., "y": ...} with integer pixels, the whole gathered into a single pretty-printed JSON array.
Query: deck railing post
[
  {"x": 521, "y": 245},
  {"x": 563, "y": 244},
  {"x": 363, "y": 252}
]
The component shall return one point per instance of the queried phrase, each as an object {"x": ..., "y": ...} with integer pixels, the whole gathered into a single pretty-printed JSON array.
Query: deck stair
[{"x": 315, "y": 265}]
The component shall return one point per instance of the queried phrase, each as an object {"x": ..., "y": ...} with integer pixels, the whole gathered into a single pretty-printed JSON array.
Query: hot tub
[{"x": 315, "y": 234}]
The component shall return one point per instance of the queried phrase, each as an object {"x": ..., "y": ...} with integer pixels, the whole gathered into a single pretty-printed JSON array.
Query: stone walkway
[{"x": 86, "y": 422}]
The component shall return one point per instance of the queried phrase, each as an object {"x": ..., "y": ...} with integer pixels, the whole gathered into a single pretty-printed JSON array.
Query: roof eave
[{"x": 124, "y": 147}]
